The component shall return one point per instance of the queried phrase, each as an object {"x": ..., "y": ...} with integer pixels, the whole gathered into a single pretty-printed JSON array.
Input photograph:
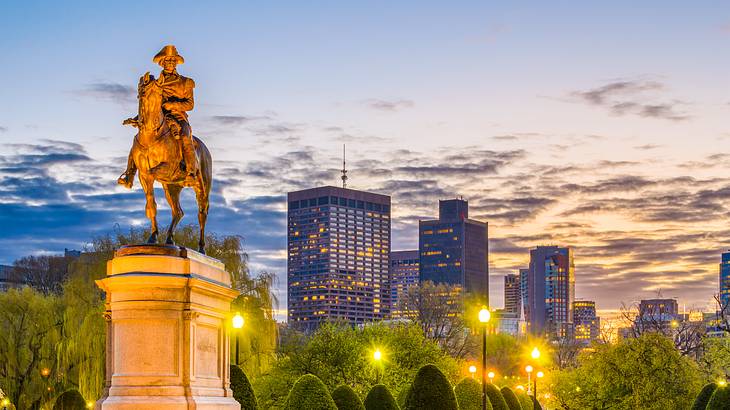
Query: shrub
[
  {"x": 524, "y": 399},
  {"x": 469, "y": 395},
  {"x": 535, "y": 404},
  {"x": 346, "y": 399},
  {"x": 309, "y": 393},
  {"x": 510, "y": 398},
  {"x": 431, "y": 390},
  {"x": 242, "y": 390},
  {"x": 704, "y": 396},
  {"x": 496, "y": 398},
  {"x": 379, "y": 398},
  {"x": 70, "y": 400},
  {"x": 720, "y": 399},
  {"x": 403, "y": 396}
]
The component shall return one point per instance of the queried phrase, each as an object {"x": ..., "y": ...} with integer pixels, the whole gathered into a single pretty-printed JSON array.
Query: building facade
[
  {"x": 550, "y": 291},
  {"x": 338, "y": 252},
  {"x": 725, "y": 281},
  {"x": 453, "y": 250},
  {"x": 512, "y": 294},
  {"x": 403, "y": 274},
  {"x": 586, "y": 324}
]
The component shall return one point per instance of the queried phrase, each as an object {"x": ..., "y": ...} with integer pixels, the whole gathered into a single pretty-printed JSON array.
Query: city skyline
[{"x": 558, "y": 127}]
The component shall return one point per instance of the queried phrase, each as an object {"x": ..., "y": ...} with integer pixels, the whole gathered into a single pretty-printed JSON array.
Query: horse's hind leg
[
  {"x": 202, "y": 197},
  {"x": 148, "y": 181},
  {"x": 172, "y": 193}
]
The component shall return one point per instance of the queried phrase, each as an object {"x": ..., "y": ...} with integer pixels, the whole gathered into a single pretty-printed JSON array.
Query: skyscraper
[
  {"x": 586, "y": 325},
  {"x": 403, "y": 274},
  {"x": 512, "y": 294},
  {"x": 550, "y": 291},
  {"x": 454, "y": 250},
  {"x": 338, "y": 249},
  {"x": 725, "y": 280}
]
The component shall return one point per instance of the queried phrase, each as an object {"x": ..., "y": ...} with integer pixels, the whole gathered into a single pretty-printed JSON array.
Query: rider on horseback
[{"x": 177, "y": 94}]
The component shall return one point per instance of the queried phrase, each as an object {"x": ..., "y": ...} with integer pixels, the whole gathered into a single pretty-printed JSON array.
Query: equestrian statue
[{"x": 165, "y": 149}]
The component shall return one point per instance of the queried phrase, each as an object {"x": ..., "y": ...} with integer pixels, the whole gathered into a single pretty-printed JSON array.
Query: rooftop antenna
[{"x": 344, "y": 168}]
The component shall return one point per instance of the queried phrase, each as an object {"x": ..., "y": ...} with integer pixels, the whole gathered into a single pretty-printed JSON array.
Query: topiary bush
[
  {"x": 704, "y": 396},
  {"x": 431, "y": 391},
  {"x": 524, "y": 399},
  {"x": 720, "y": 399},
  {"x": 346, "y": 399},
  {"x": 70, "y": 400},
  {"x": 242, "y": 390},
  {"x": 403, "y": 396},
  {"x": 469, "y": 395},
  {"x": 509, "y": 396},
  {"x": 309, "y": 393},
  {"x": 496, "y": 398},
  {"x": 379, "y": 398}
]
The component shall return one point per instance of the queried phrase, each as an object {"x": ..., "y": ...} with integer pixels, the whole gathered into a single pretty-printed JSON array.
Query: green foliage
[
  {"x": 642, "y": 373},
  {"x": 403, "y": 396},
  {"x": 715, "y": 358},
  {"x": 309, "y": 393},
  {"x": 431, "y": 390},
  {"x": 535, "y": 404},
  {"x": 525, "y": 400},
  {"x": 469, "y": 395},
  {"x": 720, "y": 399},
  {"x": 704, "y": 396},
  {"x": 509, "y": 396},
  {"x": 340, "y": 354},
  {"x": 242, "y": 390},
  {"x": 346, "y": 399},
  {"x": 496, "y": 398},
  {"x": 379, "y": 398},
  {"x": 70, "y": 400}
]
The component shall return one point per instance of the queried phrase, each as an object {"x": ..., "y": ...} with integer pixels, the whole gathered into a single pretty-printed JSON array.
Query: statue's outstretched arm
[{"x": 132, "y": 121}]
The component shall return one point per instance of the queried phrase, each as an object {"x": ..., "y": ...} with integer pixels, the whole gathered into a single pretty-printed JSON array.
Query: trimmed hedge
[
  {"x": 720, "y": 399},
  {"x": 525, "y": 400},
  {"x": 403, "y": 396},
  {"x": 496, "y": 398},
  {"x": 346, "y": 399},
  {"x": 431, "y": 391},
  {"x": 70, "y": 400},
  {"x": 509, "y": 396},
  {"x": 379, "y": 398},
  {"x": 469, "y": 395},
  {"x": 242, "y": 390},
  {"x": 309, "y": 393},
  {"x": 704, "y": 396}
]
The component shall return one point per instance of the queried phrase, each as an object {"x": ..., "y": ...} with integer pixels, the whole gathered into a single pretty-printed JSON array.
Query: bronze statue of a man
[{"x": 177, "y": 92}]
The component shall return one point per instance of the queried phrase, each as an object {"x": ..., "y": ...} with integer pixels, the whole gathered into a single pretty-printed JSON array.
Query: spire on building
[{"x": 344, "y": 168}]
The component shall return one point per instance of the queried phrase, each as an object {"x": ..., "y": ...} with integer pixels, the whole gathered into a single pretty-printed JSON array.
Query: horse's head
[{"x": 149, "y": 93}]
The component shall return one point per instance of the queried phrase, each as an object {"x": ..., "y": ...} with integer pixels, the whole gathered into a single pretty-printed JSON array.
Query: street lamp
[
  {"x": 472, "y": 370},
  {"x": 528, "y": 369},
  {"x": 539, "y": 376},
  {"x": 535, "y": 353},
  {"x": 484, "y": 319},
  {"x": 491, "y": 376},
  {"x": 237, "y": 324},
  {"x": 377, "y": 356},
  {"x": 5, "y": 403}
]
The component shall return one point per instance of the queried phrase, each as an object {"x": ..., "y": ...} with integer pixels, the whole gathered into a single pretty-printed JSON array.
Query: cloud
[
  {"x": 236, "y": 120},
  {"x": 388, "y": 105},
  {"x": 633, "y": 97},
  {"x": 3, "y": 129},
  {"x": 109, "y": 91},
  {"x": 647, "y": 147}
]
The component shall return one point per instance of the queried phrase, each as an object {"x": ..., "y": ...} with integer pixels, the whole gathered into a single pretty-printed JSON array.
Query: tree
[
  {"x": 469, "y": 395},
  {"x": 496, "y": 398},
  {"x": 720, "y": 399},
  {"x": 646, "y": 372},
  {"x": 70, "y": 400},
  {"x": 44, "y": 273},
  {"x": 379, "y": 398},
  {"x": 346, "y": 399},
  {"x": 309, "y": 393},
  {"x": 715, "y": 358},
  {"x": 242, "y": 390},
  {"x": 431, "y": 391},
  {"x": 704, "y": 396},
  {"x": 509, "y": 396}
]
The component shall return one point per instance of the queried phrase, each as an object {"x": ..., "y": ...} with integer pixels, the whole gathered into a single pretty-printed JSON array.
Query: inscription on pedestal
[
  {"x": 206, "y": 349},
  {"x": 146, "y": 347}
]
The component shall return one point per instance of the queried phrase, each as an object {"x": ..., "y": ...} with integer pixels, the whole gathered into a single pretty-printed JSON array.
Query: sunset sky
[{"x": 604, "y": 128}]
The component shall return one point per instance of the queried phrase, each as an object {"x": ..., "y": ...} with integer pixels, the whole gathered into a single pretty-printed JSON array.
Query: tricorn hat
[{"x": 168, "y": 51}]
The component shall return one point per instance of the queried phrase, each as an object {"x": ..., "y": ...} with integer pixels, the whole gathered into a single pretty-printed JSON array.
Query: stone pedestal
[{"x": 167, "y": 311}]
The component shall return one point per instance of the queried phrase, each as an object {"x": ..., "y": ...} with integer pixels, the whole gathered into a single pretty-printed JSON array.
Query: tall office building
[
  {"x": 454, "y": 250},
  {"x": 725, "y": 280},
  {"x": 403, "y": 274},
  {"x": 659, "y": 309},
  {"x": 338, "y": 250},
  {"x": 512, "y": 294},
  {"x": 550, "y": 291},
  {"x": 586, "y": 324}
]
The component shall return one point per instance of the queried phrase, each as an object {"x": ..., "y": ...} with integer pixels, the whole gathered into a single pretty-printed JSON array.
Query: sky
[{"x": 603, "y": 127}]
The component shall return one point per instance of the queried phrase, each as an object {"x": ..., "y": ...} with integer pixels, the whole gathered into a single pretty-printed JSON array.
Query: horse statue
[{"x": 158, "y": 156}]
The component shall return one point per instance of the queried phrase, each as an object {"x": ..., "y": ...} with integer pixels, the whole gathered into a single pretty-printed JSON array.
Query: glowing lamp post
[
  {"x": 491, "y": 377},
  {"x": 484, "y": 319},
  {"x": 238, "y": 325},
  {"x": 377, "y": 356},
  {"x": 539, "y": 376},
  {"x": 528, "y": 369},
  {"x": 472, "y": 370},
  {"x": 535, "y": 353}
]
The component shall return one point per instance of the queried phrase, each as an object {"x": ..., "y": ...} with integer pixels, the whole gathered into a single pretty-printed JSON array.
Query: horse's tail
[{"x": 206, "y": 165}]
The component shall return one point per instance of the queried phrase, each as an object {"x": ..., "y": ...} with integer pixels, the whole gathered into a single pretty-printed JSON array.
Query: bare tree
[
  {"x": 44, "y": 273},
  {"x": 723, "y": 314},
  {"x": 687, "y": 336}
]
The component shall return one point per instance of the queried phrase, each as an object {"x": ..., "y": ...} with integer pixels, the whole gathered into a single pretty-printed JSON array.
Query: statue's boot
[
  {"x": 127, "y": 178},
  {"x": 191, "y": 162}
]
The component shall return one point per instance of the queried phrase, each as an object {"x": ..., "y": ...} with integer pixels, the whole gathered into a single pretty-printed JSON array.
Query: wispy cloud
[
  {"x": 388, "y": 105},
  {"x": 109, "y": 91}
]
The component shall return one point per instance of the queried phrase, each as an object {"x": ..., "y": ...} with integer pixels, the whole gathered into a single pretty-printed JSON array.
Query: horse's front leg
[
  {"x": 172, "y": 193},
  {"x": 148, "y": 181}
]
